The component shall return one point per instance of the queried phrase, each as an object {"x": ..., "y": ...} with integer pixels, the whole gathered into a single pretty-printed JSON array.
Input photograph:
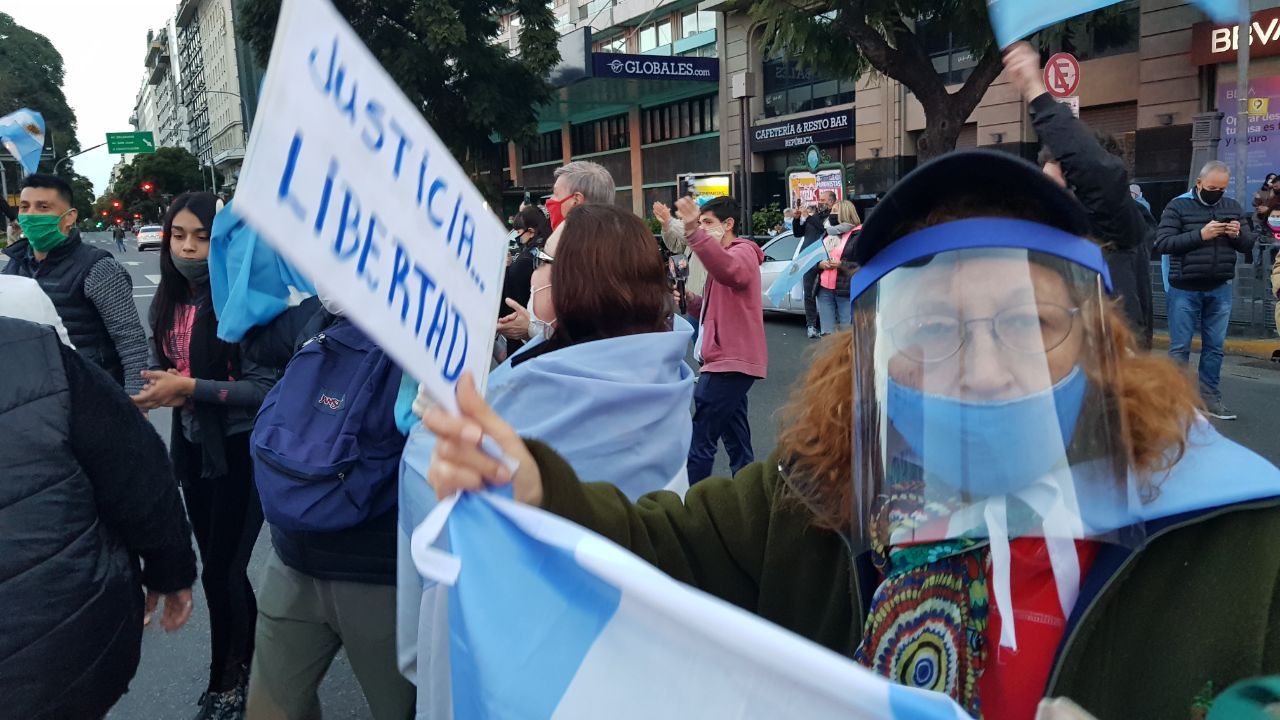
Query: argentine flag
[
  {"x": 1013, "y": 20},
  {"x": 811, "y": 256},
  {"x": 549, "y": 620},
  {"x": 22, "y": 134}
]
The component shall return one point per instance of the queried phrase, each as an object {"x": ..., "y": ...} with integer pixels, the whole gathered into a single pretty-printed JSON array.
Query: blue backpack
[{"x": 326, "y": 450}]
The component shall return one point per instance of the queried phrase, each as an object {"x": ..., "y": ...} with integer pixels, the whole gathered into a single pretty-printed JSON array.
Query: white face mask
[
  {"x": 716, "y": 232},
  {"x": 538, "y": 326}
]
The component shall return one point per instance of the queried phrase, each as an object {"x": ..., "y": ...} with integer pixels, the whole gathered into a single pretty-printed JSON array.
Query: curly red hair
[{"x": 1157, "y": 402}]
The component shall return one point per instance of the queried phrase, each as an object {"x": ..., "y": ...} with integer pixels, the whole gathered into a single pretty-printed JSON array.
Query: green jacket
[{"x": 1196, "y": 604}]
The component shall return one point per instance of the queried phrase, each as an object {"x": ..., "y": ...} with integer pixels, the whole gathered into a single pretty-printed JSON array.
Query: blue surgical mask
[
  {"x": 989, "y": 448},
  {"x": 1273, "y": 223}
]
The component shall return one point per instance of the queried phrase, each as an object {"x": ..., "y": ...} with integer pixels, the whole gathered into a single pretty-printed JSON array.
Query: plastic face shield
[{"x": 984, "y": 396}]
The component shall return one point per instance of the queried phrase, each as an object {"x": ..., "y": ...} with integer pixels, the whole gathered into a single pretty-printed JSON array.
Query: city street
[{"x": 171, "y": 675}]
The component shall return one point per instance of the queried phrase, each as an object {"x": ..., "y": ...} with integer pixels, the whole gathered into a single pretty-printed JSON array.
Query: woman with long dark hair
[{"x": 215, "y": 392}]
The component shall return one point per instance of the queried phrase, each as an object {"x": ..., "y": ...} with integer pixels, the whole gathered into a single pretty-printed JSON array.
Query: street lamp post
[{"x": 68, "y": 157}]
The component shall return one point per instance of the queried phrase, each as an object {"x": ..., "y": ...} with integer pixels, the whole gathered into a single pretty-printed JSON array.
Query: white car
[
  {"x": 149, "y": 236},
  {"x": 778, "y": 254}
]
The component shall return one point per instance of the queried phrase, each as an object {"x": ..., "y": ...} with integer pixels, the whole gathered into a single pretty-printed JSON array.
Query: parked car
[
  {"x": 149, "y": 236},
  {"x": 778, "y": 254}
]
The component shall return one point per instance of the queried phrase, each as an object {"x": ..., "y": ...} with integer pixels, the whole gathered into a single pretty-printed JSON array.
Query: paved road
[{"x": 172, "y": 674}]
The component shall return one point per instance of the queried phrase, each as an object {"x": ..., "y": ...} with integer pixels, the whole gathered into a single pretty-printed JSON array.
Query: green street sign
[{"x": 131, "y": 142}]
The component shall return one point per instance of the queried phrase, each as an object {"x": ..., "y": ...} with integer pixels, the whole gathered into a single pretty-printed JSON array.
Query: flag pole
[{"x": 1242, "y": 105}]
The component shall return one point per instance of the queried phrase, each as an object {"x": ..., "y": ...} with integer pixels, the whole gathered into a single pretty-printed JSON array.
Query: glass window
[
  {"x": 784, "y": 249},
  {"x": 789, "y": 89},
  {"x": 544, "y": 148},
  {"x": 1110, "y": 31},
  {"x": 686, "y": 118},
  {"x": 648, "y": 38},
  {"x": 689, "y": 24},
  {"x": 600, "y": 135},
  {"x": 696, "y": 21},
  {"x": 664, "y": 32}
]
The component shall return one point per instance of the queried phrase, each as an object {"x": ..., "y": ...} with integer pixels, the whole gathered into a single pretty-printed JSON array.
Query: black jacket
[
  {"x": 89, "y": 513},
  {"x": 810, "y": 229},
  {"x": 1100, "y": 182},
  {"x": 1196, "y": 263},
  {"x": 365, "y": 553},
  {"x": 516, "y": 284},
  {"x": 61, "y": 275}
]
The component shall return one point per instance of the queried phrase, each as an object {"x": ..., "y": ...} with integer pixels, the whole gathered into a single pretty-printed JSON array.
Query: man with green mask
[{"x": 92, "y": 293}]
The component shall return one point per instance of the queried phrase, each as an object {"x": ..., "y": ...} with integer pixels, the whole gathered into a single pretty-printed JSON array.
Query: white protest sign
[{"x": 348, "y": 182}]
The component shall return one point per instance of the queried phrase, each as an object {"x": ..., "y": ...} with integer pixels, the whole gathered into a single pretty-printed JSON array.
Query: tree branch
[
  {"x": 906, "y": 63},
  {"x": 986, "y": 72}
]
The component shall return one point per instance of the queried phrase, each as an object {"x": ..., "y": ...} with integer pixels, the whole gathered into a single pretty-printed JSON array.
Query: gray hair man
[
  {"x": 1201, "y": 233},
  {"x": 577, "y": 183}
]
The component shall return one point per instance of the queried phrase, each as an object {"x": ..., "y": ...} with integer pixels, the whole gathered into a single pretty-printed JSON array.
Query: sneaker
[
  {"x": 227, "y": 705},
  {"x": 813, "y": 333},
  {"x": 1216, "y": 409}
]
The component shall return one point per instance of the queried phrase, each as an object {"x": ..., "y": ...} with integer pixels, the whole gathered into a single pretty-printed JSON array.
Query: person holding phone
[{"x": 1201, "y": 233}]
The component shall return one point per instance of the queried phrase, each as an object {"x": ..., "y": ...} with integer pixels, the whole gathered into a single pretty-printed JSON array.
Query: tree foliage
[
  {"x": 31, "y": 75},
  {"x": 849, "y": 37},
  {"x": 885, "y": 36},
  {"x": 171, "y": 171},
  {"x": 441, "y": 54}
]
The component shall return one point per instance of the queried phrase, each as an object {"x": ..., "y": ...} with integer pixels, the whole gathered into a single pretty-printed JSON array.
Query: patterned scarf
[{"x": 927, "y": 623}]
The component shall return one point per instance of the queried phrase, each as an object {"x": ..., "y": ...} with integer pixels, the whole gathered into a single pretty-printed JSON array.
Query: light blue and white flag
[
  {"x": 809, "y": 257},
  {"x": 250, "y": 283},
  {"x": 1013, "y": 20},
  {"x": 22, "y": 134},
  {"x": 549, "y": 620}
]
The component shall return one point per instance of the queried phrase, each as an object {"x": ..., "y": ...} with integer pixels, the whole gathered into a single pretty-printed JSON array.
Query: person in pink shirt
[{"x": 731, "y": 345}]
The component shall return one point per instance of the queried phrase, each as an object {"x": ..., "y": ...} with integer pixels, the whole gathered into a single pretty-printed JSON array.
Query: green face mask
[{"x": 42, "y": 231}]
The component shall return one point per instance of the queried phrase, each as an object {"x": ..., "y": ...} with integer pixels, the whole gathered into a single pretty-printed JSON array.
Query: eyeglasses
[
  {"x": 540, "y": 258},
  {"x": 1031, "y": 329}
]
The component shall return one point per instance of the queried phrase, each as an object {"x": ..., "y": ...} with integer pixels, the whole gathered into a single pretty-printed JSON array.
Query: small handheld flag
[{"x": 22, "y": 134}]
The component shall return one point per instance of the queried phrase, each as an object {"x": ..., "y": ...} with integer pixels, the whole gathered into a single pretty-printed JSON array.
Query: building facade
[
  {"x": 210, "y": 85},
  {"x": 638, "y": 91},
  {"x": 1147, "y": 73},
  {"x": 161, "y": 75}
]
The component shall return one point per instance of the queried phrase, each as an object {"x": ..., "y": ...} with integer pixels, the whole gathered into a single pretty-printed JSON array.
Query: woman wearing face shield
[
  {"x": 981, "y": 489},
  {"x": 604, "y": 381}
]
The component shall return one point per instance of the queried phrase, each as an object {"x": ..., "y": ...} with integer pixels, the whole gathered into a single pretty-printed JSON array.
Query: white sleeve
[{"x": 23, "y": 299}]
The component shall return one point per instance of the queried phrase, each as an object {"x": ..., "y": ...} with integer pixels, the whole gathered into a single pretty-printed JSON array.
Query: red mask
[{"x": 553, "y": 212}]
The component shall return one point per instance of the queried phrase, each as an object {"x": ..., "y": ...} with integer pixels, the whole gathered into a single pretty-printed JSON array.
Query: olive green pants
[{"x": 302, "y": 622}]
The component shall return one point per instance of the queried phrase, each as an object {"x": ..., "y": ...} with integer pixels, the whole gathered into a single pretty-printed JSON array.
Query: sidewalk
[{"x": 1257, "y": 348}]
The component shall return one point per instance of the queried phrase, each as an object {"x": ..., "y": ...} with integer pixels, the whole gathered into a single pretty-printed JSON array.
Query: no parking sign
[{"x": 1062, "y": 75}]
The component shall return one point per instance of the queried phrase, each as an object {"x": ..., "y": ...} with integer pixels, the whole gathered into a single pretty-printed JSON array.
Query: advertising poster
[
  {"x": 806, "y": 187},
  {"x": 1263, "y": 132},
  {"x": 705, "y": 187}
]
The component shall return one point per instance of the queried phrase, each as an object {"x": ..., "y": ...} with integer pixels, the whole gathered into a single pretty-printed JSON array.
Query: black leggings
[{"x": 226, "y": 517}]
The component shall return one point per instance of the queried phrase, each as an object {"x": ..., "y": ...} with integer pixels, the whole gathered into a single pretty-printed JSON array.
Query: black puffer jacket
[
  {"x": 1196, "y": 263},
  {"x": 61, "y": 275},
  {"x": 89, "y": 514}
]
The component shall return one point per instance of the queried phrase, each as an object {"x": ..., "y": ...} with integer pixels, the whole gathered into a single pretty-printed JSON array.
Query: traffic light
[
  {"x": 104, "y": 213},
  {"x": 148, "y": 187},
  {"x": 119, "y": 221},
  {"x": 115, "y": 203},
  {"x": 136, "y": 216}
]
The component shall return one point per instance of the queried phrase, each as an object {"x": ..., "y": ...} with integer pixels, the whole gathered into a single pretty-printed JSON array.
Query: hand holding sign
[{"x": 348, "y": 182}]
